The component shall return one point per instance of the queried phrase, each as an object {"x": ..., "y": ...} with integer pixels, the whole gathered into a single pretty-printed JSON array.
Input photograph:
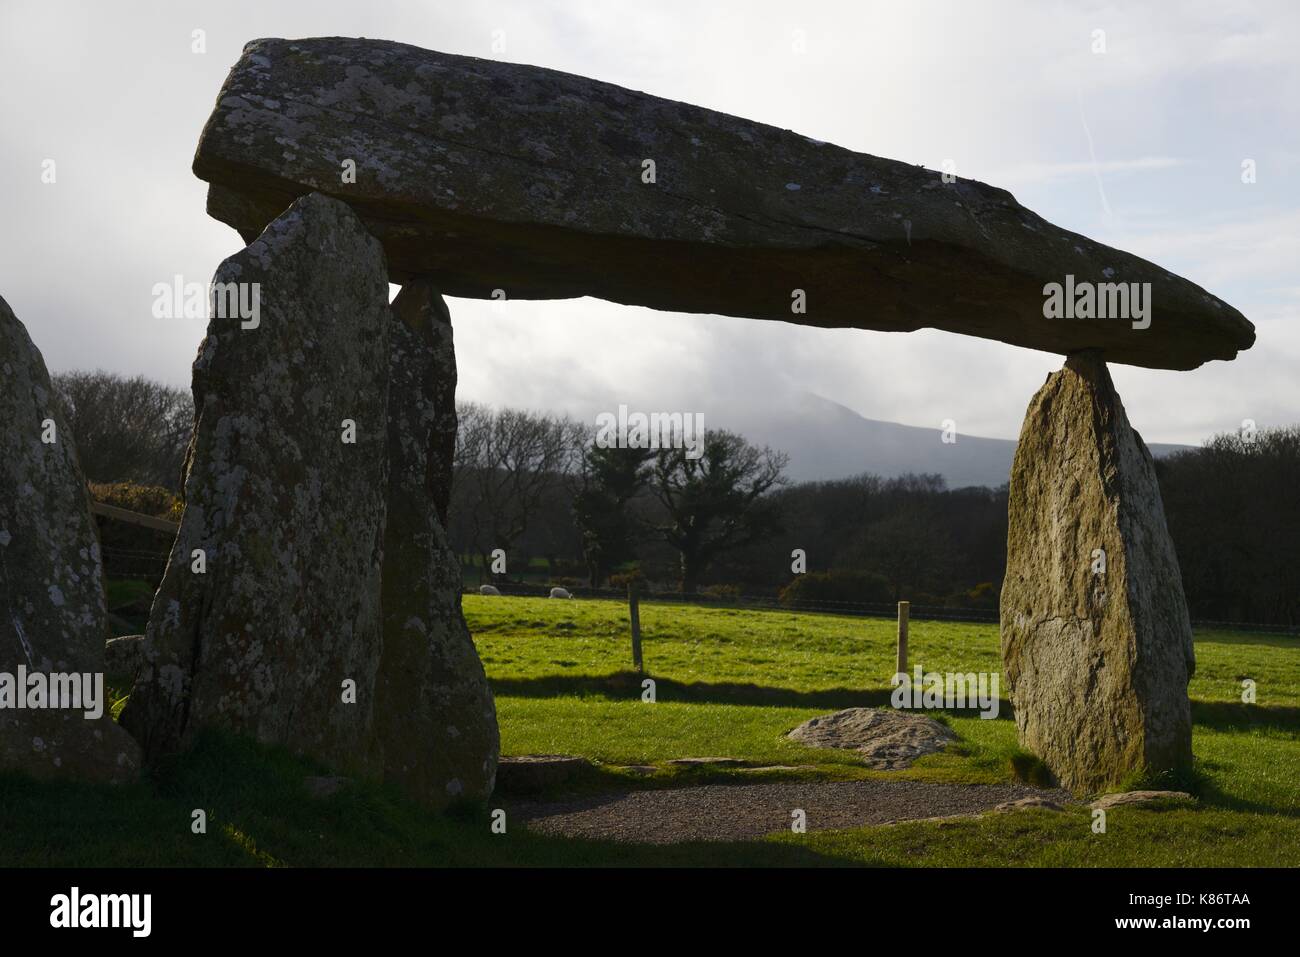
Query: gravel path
[{"x": 732, "y": 812}]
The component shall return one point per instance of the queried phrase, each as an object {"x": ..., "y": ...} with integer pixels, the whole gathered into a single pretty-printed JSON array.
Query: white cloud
[{"x": 1180, "y": 97}]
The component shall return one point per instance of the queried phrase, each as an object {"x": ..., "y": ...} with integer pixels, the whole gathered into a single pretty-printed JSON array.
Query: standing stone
[
  {"x": 1096, "y": 641},
  {"x": 52, "y": 612},
  {"x": 424, "y": 359},
  {"x": 284, "y": 497},
  {"x": 434, "y": 716}
]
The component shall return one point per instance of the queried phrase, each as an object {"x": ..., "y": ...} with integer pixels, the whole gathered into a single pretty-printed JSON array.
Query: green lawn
[{"x": 728, "y": 683}]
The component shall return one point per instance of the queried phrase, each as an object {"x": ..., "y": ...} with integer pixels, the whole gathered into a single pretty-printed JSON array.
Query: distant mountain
[{"x": 826, "y": 440}]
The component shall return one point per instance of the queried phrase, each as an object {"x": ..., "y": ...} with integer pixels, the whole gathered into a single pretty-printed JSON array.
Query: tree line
[
  {"x": 560, "y": 508},
  {"x": 535, "y": 485}
]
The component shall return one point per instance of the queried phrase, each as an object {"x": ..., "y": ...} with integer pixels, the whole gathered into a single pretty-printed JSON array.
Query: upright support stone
[
  {"x": 275, "y": 633},
  {"x": 434, "y": 715},
  {"x": 1096, "y": 641},
  {"x": 52, "y": 613},
  {"x": 421, "y": 308}
]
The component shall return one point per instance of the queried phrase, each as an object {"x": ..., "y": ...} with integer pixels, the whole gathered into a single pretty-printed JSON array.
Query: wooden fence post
[
  {"x": 634, "y": 609},
  {"x": 903, "y": 608}
]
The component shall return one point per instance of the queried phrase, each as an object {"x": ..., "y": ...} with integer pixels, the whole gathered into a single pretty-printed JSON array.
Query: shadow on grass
[
  {"x": 258, "y": 813},
  {"x": 626, "y": 685},
  {"x": 1210, "y": 794},
  {"x": 1267, "y": 639},
  {"x": 1235, "y": 716}
]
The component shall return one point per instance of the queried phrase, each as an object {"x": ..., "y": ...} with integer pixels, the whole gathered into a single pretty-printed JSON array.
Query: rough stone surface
[
  {"x": 1028, "y": 804},
  {"x": 422, "y": 308},
  {"x": 126, "y": 655},
  {"x": 1096, "y": 664},
  {"x": 888, "y": 740},
  {"x": 324, "y": 786},
  {"x": 1124, "y": 798},
  {"x": 777, "y": 769},
  {"x": 52, "y": 612},
  {"x": 290, "y": 516},
  {"x": 435, "y": 716},
  {"x": 484, "y": 175},
  {"x": 534, "y": 773}
]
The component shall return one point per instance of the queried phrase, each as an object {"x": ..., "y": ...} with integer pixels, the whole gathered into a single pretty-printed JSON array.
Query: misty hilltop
[{"x": 826, "y": 440}]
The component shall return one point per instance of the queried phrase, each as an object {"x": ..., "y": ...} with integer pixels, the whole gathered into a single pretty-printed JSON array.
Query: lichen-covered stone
[
  {"x": 288, "y": 514},
  {"x": 1096, "y": 641},
  {"x": 484, "y": 175},
  {"x": 1129, "y": 798},
  {"x": 52, "y": 612},
  {"x": 434, "y": 714},
  {"x": 125, "y": 656},
  {"x": 424, "y": 359},
  {"x": 887, "y": 739}
]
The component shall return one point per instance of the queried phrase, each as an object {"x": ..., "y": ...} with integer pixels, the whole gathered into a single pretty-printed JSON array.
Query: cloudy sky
[{"x": 1140, "y": 147}]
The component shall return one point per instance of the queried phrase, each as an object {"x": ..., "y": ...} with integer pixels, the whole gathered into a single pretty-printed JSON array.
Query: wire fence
[
  {"x": 755, "y": 602},
  {"x": 132, "y": 563},
  {"x": 848, "y": 608}
]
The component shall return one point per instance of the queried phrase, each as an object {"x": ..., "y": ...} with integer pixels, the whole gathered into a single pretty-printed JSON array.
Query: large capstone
[
  {"x": 52, "y": 613},
  {"x": 434, "y": 715},
  {"x": 267, "y": 621},
  {"x": 1096, "y": 641},
  {"x": 499, "y": 179}
]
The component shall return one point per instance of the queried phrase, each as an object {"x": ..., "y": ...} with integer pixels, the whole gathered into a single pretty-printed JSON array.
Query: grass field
[{"x": 727, "y": 683}]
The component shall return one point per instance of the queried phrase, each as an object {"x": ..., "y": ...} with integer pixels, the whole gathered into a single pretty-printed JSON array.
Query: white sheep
[
  {"x": 560, "y": 593},
  {"x": 488, "y": 590}
]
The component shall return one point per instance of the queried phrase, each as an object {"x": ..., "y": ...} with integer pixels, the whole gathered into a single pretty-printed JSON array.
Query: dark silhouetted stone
[
  {"x": 52, "y": 611},
  {"x": 434, "y": 713},
  {"x": 289, "y": 515}
]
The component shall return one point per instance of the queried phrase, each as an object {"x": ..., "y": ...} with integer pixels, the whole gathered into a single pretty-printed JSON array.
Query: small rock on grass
[
  {"x": 530, "y": 773},
  {"x": 1028, "y": 803},
  {"x": 888, "y": 740},
  {"x": 767, "y": 768},
  {"x": 1124, "y": 798}
]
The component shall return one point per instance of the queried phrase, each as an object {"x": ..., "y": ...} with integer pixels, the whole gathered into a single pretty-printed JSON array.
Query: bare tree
[
  {"x": 506, "y": 463},
  {"x": 127, "y": 429}
]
